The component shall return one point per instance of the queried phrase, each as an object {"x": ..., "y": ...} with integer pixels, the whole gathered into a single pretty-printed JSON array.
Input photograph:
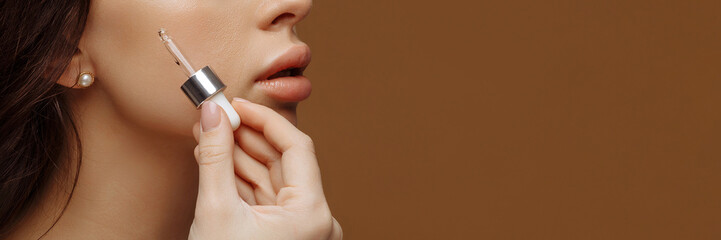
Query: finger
[
  {"x": 298, "y": 161},
  {"x": 279, "y": 132},
  {"x": 214, "y": 154},
  {"x": 255, "y": 145},
  {"x": 245, "y": 191},
  {"x": 256, "y": 174}
]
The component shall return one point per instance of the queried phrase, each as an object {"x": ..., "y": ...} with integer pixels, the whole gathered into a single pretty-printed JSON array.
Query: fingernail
[
  {"x": 237, "y": 99},
  {"x": 209, "y": 116}
]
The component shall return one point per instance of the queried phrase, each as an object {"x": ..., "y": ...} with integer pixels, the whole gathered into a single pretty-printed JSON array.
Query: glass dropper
[{"x": 175, "y": 52}]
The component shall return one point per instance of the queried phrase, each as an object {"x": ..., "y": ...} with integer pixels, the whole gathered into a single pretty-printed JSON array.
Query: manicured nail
[
  {"x": 237, "y": 99},
  {"x": 209, "y": 116}
]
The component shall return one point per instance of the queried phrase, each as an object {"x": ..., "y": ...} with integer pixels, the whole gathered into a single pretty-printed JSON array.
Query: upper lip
[{"x": 297, "y": 58}]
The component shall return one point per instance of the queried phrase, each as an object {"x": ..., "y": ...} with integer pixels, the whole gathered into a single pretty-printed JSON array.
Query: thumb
[{"x": 214, "y": 153}]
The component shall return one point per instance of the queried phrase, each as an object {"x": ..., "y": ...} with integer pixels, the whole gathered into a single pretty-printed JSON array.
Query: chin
[{"x": 289, "y": 113}]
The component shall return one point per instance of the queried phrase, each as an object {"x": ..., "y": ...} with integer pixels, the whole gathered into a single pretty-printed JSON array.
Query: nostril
[{"x": 283, "y": 17}]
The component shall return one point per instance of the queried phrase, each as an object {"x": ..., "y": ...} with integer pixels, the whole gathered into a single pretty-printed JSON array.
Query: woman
[{"x": 97, "y": 134}]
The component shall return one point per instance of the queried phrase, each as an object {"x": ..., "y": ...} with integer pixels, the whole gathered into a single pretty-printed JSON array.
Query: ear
[{"x": 80, "y": 63}]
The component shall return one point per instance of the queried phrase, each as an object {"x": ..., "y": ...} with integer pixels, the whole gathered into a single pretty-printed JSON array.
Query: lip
[{"x": 288, "y": 88}]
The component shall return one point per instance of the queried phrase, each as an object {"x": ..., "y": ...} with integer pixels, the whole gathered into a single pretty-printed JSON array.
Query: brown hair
[{"x": 38, "y": 41}]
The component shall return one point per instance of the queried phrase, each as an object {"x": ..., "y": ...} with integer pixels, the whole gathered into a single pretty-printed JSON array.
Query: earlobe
[{"x": 79, "y": 73}]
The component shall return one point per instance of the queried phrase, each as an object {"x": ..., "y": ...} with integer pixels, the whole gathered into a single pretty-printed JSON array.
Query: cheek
[{"x": 140, "y": 77}]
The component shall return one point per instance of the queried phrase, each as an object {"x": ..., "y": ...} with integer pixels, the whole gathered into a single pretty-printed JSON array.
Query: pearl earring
[{"x": 85, "y": 79}]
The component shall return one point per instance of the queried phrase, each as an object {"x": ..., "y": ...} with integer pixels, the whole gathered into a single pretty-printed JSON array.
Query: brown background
[{"x": 518, "y": 119}]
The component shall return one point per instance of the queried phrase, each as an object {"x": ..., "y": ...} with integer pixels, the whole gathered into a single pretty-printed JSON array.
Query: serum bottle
[{"x": 202, "y": 85}]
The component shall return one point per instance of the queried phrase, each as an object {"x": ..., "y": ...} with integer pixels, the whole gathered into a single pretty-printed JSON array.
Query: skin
[{"x": 145, "y": 173}]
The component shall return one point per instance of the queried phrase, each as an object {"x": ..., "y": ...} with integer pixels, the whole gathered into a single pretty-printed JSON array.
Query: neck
[{"x": 133, "y": 182}]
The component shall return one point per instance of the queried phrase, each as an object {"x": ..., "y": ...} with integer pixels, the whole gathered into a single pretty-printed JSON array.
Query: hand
[{"x": 268, "y": 186}]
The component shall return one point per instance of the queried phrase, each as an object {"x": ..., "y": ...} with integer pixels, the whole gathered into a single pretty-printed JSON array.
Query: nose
[{"x": 282, "y": 14}]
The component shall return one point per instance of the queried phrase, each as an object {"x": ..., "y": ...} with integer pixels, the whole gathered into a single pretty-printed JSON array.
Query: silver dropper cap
[{"x": 202, "y": 85}]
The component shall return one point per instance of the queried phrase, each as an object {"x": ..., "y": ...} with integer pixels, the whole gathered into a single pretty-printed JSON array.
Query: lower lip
[{"x": 286, "y": 89}]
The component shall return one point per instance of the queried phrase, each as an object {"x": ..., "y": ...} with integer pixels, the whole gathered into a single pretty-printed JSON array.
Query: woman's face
[{"x": 242, "y": 40}]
